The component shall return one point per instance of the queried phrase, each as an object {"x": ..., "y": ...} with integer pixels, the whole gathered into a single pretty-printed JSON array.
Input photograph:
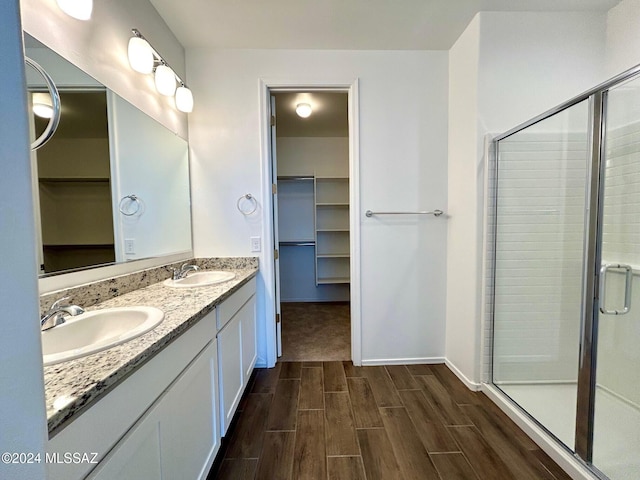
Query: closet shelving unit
[
  {"x": 331, "y": 196},
  {"x": 316, "y": 214}
]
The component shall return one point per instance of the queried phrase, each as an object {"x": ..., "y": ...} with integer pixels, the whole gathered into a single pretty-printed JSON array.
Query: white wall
[
  {"x": 22, "y": 410},
  {"x": 623, "y": 37},
  {"x": 99, "y": 47},
  {"x": 319, "y": 156},
  {"x": 465, "y": 194},
  {"x": 464, "y": 177},
  {"x": 403, "y": 149},
  {"x": 527, "y": 63}
]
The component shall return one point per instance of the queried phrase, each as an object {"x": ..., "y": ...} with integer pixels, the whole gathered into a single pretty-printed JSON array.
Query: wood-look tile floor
[{"x": 334, "y": 421}]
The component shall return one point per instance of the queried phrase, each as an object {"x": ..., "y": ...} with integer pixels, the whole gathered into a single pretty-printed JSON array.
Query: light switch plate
[
  {"x": 256, "y": 244},
  {"x": 129, "y": 245}
]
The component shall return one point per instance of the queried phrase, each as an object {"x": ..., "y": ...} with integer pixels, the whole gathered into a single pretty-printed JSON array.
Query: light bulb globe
[
  {"x": 165, "y": 80},
  {"x": 42, "y": 104},
  {"x": 184, "y": 99},
  {"x": 140, "y": 55},
  {"x": 303, "y": 110},
  {"x": 80, "y": 9}
]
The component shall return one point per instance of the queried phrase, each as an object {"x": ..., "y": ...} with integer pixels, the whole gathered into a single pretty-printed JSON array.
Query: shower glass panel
[
  {"x": 616, "y": 438},
  {"x": 540, "y": 227}
]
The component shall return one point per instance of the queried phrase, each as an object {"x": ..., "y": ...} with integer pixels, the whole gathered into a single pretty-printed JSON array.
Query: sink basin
[
  {"x": 201, "y": 279},
  {"x": 97, "y": 330}
]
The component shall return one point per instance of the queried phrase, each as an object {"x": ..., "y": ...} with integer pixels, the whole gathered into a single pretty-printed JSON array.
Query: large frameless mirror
[{"x": 111, "y": 184}]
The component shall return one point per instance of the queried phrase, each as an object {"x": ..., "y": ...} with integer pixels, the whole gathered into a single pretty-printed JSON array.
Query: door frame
[{"x": 351, "y": 87}]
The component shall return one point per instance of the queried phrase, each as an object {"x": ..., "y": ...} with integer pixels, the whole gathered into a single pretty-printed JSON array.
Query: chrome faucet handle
[
  {"x": 187, "y": 266},
  {"x": 59, "y": 303},
  {"x": 56, "y": 314},
  {"x": 176, "y": 275}
]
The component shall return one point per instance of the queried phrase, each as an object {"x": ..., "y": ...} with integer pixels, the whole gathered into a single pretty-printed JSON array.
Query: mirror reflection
[{"x": 112, "y": 184}]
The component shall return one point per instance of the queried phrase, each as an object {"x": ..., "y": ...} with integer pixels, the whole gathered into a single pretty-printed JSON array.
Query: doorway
[{"x": 310, "y": 165}]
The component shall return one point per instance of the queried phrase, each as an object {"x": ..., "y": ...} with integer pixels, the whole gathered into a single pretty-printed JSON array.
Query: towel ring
[
  {"x": 250, "y": 198},
  {"x": 133, "y": 198}
]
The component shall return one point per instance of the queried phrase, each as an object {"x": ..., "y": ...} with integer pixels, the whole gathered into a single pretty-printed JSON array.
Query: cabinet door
[
  {"x": 190, "y": 434},
  {"x": 247, "y": 316},
  {"x": 137, "y": 455},
  {"x": 229, "y": 370}
]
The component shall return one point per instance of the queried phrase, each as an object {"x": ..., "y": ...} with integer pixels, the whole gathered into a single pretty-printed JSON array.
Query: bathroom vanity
[{"x": 156, "y": 407}]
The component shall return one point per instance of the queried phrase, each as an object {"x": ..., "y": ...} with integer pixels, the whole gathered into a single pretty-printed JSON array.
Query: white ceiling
[{"x": 339, "y": 24}]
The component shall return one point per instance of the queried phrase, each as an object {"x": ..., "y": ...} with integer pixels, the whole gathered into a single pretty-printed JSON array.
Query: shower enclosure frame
[{"x": 597, "y": 98}]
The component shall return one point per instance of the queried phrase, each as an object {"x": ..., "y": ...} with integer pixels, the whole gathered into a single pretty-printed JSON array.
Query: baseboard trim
[
  {"x": 471, "y": 385},
  {"x": 401, "y": 361}
]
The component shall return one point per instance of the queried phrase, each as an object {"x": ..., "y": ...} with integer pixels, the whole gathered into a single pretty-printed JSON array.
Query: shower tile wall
[
  {"x": 541, "y": 185},
  {"x": 619, "y": 336}
]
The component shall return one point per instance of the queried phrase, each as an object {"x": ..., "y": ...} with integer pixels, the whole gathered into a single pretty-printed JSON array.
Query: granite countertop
[{"x": 73, "y": 386}]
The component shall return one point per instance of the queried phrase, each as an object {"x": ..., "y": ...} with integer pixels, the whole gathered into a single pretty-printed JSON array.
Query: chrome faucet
[
  {"x": 56, "y": 313},
  {"x": 184, "y": 269}
]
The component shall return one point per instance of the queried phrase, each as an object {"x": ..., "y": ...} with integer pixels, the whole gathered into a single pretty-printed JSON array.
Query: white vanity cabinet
[
  {"x": 165, "y": 421},
  {"x": 236, "y": 340},
  {"x": 161, "y": 423},
  {"x": 174, "y": 438}
]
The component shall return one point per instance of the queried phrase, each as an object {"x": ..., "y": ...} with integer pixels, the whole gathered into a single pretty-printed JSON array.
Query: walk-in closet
[{"x": 313, "y": 225}]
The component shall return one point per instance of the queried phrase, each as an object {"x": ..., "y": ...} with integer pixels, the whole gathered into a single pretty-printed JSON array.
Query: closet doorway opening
[{"x": 311, "y": 222}]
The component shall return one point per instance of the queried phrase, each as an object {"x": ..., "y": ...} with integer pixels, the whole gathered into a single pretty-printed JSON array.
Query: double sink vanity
[{"x": 147, "y": 380}]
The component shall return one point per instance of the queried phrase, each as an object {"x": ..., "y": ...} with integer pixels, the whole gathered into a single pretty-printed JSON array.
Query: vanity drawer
[{"x": 228, "y": 308}]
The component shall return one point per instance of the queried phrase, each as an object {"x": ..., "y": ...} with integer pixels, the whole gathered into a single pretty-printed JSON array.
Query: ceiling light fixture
[
  {"x": 80, "y": 9},
  {"x": 303, "y": 110},
  {"x": 42, "y": 104},
  {"x": 144, "y": 58}
]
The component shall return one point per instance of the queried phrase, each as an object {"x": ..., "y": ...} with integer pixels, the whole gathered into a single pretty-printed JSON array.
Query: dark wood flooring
[{"x": 331, "y": 420}]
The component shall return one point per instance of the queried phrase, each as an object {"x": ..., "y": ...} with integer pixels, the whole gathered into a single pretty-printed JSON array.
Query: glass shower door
[
  {"x": 616, "y": 428},
  {"x": 538, "y": 266}
]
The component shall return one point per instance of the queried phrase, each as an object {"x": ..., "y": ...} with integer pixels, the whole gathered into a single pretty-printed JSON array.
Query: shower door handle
[{"x": 628, "y": 282}]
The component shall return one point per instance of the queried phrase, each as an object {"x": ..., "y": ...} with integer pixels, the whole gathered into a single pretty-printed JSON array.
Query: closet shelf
[
  {"x": 295, "y": 178},
  {"x": 333, "y": 204},
  {"x": 64, "y": 246},
  {"x": 333, "y": 280},
  {"x": 298, "y": 243},
  {"x": 333, "y": 255},
  {"x": 73, "y": 179}
]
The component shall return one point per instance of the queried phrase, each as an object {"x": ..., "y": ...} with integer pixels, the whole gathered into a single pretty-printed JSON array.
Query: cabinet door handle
[{"x": 628, "y": 282}]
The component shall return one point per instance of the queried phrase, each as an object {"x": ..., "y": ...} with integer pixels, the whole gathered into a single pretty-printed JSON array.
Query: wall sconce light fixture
[
  {"x": 303, "y": 110},
  {"x": 80, "y": 9},
  {"x": 144, "y": 58}
]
